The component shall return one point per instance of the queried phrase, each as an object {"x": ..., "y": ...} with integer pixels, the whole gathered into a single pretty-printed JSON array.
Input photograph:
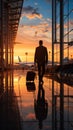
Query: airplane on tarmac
[{"x": 24, "y": 64}]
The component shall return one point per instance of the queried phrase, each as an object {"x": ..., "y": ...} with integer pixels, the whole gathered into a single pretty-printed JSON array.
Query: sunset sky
[{"x": 35, "y": 24}]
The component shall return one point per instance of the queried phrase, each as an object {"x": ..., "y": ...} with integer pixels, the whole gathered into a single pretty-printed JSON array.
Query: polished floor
[{"x": 34, "y": 106}]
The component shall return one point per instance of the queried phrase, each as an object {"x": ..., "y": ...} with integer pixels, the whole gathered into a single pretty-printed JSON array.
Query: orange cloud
[
  {"x": 32, "y": 16},
  {"x": 43, "y": 30},
  {"x": 30, "y": 12}
]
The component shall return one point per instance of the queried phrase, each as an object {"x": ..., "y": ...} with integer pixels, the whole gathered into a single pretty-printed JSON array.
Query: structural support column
[
  {"x": 1, "y": 36},
  {"x": 52, "y": 32},
  {"x": 61, "y": 32},
  {"x": 53, "y": 28}
]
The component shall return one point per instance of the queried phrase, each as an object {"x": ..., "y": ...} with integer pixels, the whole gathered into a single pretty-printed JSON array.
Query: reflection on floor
[
  {"x": 9, "y": 111},
  {"x": 33, "y": 106}
]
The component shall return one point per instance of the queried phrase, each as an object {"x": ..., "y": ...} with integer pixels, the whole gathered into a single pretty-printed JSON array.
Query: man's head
[{"x": 40, "y": 42}]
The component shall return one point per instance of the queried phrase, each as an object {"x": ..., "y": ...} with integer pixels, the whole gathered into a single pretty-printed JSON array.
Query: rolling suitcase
[
  {"x": 30, "y": 86},
  {"x": 30, "y": 76}
]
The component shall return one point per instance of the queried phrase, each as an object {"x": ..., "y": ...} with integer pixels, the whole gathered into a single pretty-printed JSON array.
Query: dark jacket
[{"x": 41, "y": 55}]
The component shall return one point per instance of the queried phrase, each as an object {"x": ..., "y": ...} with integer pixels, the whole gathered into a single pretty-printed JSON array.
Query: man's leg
[
  {"x": 43, "y": 70},
  {"x": 40, "y": 72}
]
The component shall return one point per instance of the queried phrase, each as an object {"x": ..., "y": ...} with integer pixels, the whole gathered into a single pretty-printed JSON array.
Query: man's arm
[
  {"x": 35, "y": 57},
  {"x": 46, "y": 56}
]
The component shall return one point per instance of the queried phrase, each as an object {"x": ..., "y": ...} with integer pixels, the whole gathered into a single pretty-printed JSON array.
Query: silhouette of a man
[
  {"x": 41, "y": 106},
  {"x": 41, "y": 58}
]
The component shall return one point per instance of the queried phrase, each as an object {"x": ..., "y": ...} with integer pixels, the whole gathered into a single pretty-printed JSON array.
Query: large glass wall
[{"x": 62, "y": 31}]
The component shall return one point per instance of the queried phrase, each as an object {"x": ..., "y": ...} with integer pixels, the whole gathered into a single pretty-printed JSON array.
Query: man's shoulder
[
  {"x": 44, "y": 47},
  {"x": 37, "y": 47}
]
